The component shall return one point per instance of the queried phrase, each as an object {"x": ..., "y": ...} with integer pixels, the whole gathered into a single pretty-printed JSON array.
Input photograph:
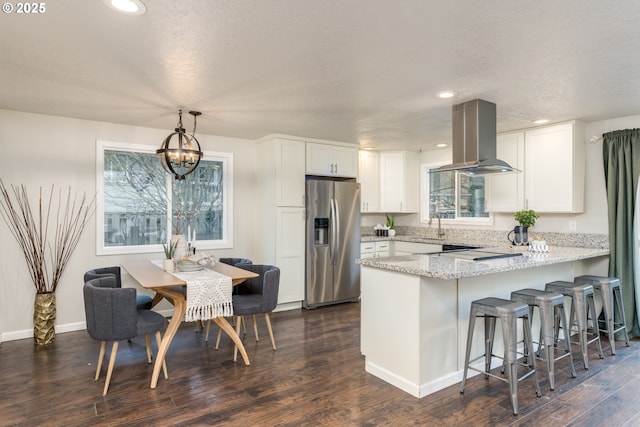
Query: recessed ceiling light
[
  {"x": 128, "y": 7},
  {"x": 442, "y": 145},
  {"x": 540, "y": 121},
  {"x": 367, "y": 148},
  {"x": 445, "y": 94}
]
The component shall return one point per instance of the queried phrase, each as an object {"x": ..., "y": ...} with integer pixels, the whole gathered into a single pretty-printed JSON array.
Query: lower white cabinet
[
  {"x": 290, "y": 254},
  {"x": 375, "y": 249}
]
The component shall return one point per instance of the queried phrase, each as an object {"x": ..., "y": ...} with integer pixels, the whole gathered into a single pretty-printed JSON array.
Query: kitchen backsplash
[{"x": 496, "y": 238}]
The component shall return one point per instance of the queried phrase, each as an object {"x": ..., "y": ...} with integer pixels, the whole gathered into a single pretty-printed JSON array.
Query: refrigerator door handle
[
  {"x": 336, "y": 230},
  {"x": 332, "y": 226}
]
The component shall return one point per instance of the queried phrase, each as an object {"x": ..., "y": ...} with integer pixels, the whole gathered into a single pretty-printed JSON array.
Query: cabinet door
[
  {"x": 290, "y": 226},
  {"x": 398, "y": 181},
  {"x": 290, "y": 172},
  {"x": 369, "y": 178},
  {"x": 319, "y": 159},
  {"x": 554, "y": 169},
  {"x": 345, "y": 161},
  {"x": 506, "y": 191}
]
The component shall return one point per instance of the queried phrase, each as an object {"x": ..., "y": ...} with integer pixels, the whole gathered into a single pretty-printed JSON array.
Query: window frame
[
  {"x": 425, "y": 199},
  {"x": 227, "y": 210}
]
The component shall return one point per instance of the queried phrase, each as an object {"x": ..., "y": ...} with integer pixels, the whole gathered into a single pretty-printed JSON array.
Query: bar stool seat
[
  {"x": 582, "y": 303},
  {"x": 508, "y": 312},
  {"x": 611, "y": 292},
  {"x": 551, "y": 310}
]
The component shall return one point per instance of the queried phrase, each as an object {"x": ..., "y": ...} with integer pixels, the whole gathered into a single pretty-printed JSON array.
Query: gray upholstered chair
[
  {"x": 142, "y": 301},
  {"x": 112, "y": 315},
  {"x": 261, "y": 298}
]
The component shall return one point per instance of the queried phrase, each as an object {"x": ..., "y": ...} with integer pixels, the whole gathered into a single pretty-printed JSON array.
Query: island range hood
[{"x": 474, "y": 140}]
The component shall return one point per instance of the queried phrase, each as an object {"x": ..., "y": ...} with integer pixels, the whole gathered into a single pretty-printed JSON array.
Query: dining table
[{"x": 166, "y": 285}]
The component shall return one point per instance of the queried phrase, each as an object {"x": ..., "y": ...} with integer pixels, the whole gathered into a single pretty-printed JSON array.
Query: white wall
[
  {"x": 38, "y": 151},
  {"x": 594, "y": 219}
]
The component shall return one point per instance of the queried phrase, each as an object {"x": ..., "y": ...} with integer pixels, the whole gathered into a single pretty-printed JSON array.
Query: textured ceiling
[{"x": 360, "y": 71}]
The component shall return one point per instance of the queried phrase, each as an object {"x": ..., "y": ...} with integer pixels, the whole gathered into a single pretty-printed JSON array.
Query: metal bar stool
[
  {"x": 611, "y": 292},
  {"x": 582, "y": 302},
  {"x": 551, "y": 309},
  {"x": 508, "y": 312}
]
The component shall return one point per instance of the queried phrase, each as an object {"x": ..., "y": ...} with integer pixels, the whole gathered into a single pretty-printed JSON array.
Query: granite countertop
[{"x": 445, "y": 267}]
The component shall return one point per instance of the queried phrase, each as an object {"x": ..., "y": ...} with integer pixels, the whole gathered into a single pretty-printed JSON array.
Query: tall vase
[
  {"x": 181, "y": 247},
  {"x": 44, "y": 318}
]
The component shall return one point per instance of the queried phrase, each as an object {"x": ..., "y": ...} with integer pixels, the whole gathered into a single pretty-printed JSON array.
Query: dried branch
[{"x": 46, "y": 260}]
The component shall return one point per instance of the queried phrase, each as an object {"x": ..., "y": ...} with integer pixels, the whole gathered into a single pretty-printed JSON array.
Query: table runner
[{"x": 208, "y": 294}]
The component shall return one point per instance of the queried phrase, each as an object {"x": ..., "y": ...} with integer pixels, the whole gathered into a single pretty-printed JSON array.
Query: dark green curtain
[{"x": 621, "y": 155}]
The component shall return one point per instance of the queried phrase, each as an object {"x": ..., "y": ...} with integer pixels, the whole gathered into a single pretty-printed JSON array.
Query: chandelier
[{"x": 181, "y": 156}]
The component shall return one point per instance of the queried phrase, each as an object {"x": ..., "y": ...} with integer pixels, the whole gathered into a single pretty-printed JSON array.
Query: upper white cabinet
[
  {"x": 332, "y": 160},
  {"x": 553, "y": 165},
  {"x": 505, "y": 192},
  {"x": 281, "y": 170},
  {"x": 399, "y": 181},
  {"x": 369, "y": 178}
]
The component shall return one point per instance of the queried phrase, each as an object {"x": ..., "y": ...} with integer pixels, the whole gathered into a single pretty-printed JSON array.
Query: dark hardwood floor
[{"x": 316, "y": 377}]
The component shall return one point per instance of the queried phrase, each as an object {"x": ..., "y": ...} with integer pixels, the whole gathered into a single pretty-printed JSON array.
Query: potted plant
[
  {"x": 169, "y": 253},
  {"x": 526, "y": 218},
  {"x": 390, "y": 222}
]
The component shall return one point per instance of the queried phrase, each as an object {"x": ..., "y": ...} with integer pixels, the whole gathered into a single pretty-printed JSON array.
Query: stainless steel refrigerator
[{"x": 332, "y": 241}]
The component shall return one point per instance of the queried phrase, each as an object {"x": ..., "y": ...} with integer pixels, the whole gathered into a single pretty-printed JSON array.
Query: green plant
[
  {"x": 526, "y": 218},
  {"x": 170, "y": 251},
  {"x": 390, "y": 221}
]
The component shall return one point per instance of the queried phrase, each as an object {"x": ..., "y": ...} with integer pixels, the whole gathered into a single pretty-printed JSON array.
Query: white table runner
[{"x": 208, "y": 294}]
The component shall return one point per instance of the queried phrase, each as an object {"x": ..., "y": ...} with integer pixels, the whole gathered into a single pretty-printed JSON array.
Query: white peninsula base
[{"x": 414, "y": 328}]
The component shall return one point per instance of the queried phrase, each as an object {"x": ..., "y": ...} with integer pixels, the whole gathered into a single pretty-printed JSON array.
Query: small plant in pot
[
  {"x": 390, "y": 222},
  {"x": 526, "y": 218},
  {"x": 169, "y": 253}
]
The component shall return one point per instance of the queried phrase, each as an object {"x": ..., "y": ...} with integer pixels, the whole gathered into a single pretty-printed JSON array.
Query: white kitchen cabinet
[
  {"x": 332, "y": 160},
  {"x": 290, "y": 253},
  {"x": 505, "y": 192},
  {"x": 369, "y": 178},
  {"x": 399, "y": 181},
  {"x": 377, "y": 249},
  {"x": 554, "y": 168},
  {"x": 281, "y": 170},
  {"x": 280, "y": 213},
  {"x": 552, "y": 160}
]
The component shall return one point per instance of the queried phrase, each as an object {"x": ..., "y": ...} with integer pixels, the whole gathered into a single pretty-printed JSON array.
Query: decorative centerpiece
[
  {"x": 169, "y": 253},
  {"x": 46, "y": 249},
  {"x": 526, "y": 218},
  {"x": 538, "y": 244}
]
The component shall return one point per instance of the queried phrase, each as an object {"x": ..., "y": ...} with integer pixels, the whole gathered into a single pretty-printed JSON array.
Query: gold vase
[{"x": 44, "y": 318}]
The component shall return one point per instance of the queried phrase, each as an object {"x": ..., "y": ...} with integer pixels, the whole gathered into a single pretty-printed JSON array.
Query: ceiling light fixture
[
  {"x": 540, "y": 121},
  {"x": 184, "y": 156},
  {"x": 442, "y": 145},
  {"x": 446, "y": 94},
  {"x": 128, "y": 7}
]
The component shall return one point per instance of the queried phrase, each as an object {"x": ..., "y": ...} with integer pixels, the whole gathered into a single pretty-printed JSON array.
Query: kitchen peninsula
[{"x": 415, "y": 308}]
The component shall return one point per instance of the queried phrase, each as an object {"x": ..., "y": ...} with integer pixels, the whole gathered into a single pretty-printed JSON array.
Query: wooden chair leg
[
  {"x": 255, "y": 327},
  {"x": 268, "y": 322},
  {"x": 147, "y": 342},
  {"x": 103, "y": 345},
  {"x": 164, "y": 362},
  {"x": 206, "y": 332},
  {"x": 219, "y": 336},
  {"x": 112, "y": 362}
]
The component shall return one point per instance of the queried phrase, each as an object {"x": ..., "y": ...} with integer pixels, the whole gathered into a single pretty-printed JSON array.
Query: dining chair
[
  {"x": 261, "y": 298},
  {"x": 111, "y": 315},
  {"x": 143, "y": 302}
]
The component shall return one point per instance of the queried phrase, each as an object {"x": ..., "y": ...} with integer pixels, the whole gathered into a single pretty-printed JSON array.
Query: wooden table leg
[
  {"x": 179, "y": 308},
  {"x": 226, "y": 326}
]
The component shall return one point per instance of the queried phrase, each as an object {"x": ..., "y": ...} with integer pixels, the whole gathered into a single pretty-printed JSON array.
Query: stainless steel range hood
[{"x": 474, "y": 140}]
